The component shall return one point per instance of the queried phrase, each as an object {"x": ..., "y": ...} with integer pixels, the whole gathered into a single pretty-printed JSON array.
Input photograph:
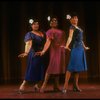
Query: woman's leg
[
  {"x": 56, "y": 83},
  {"x": 22, "y": 86},
  {"x": 45, "y": 82},
  {"x": 37, "y": 87},
  {"x": 75, "y": 84},
  {"x": 67, "y": 77}
]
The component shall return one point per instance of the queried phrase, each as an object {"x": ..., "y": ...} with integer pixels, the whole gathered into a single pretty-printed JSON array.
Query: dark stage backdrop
[{"x": 14, "y": 16}]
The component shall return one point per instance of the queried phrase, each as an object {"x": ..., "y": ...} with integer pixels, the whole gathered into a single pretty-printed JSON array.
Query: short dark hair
[
  {"x": 73, "y": 14},
  {"x": 52, "y": 17}
]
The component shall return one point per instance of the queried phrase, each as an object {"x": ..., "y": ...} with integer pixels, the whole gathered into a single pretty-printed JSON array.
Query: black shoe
[
  {"x": 56, "y": 89},
  {"x": 75, "y": 89}
]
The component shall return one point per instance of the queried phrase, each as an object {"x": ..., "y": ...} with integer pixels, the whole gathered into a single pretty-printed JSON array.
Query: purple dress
[
  {"x": 57, "y": 54},
  {"x": 35, "y": 64}
]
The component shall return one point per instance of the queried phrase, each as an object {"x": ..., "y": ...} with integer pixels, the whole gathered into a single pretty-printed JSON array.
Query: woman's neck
[
  {"x": 53, "y": 27},
  {"x": 35, "y": 30},
  {"x": 75, "y": 25}
]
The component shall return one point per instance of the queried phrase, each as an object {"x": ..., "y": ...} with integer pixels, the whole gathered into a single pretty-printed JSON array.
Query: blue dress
[
  {"x": 35, "y": 64},
  {"x": 77, "y": 62}
]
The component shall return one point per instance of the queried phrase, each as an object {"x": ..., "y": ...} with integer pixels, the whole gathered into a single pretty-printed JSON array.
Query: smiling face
[
  {"x": 35, "y": 26},
  {"x": 54, "y": 22},
  {"x": 74, "y": 20}
]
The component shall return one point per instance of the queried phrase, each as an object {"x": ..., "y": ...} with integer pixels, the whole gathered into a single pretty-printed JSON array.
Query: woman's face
[
  {"x": 74, "y": 20},
  {"x": 54, "y": 23},
  {"x": 35, "y": 26}
]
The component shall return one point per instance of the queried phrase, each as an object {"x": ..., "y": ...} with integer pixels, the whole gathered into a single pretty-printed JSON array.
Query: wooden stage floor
[{"x": 89, "y": 91}]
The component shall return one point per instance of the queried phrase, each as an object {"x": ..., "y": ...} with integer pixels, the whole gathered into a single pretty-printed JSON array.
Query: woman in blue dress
[
  {"x": 77, "y": 62},
  {"x": 34, "y": 42}
]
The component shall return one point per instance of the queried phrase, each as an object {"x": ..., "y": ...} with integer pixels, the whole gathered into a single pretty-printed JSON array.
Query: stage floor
[{"x": 89, "y": 91}]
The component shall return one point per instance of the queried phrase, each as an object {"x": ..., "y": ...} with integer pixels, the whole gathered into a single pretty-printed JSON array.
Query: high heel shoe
[
  {"x": 21, "y": 89},
  {"x": 56, "y": 89},
  {"x": 64, "y": 91},
  {"x": 36, "y": 88},
  {"x": 75, "y": 89},
  {"x": 42, "y": 90}
]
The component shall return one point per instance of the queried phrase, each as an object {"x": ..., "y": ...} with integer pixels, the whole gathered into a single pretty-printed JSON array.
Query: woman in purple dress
[
  {"x": 34, "y": 42},
  {"x": 55, "y": 38}
]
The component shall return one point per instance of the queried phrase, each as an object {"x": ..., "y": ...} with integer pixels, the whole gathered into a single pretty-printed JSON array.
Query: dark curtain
[{"x": 14, "y": 16}]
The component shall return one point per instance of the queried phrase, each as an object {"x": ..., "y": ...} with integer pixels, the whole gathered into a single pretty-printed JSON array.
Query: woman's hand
[
  {"x": 40, "y": 53},
  {"x": 37, "y": 53},
  {"x": 87, "y": 48},
  {"x": 23, "y": 55},
  {"x": 65, "y": 48}
]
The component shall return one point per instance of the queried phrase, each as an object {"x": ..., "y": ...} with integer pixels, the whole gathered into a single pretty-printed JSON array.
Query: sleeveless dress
[
  {"x": 35, "y": 64},
  {"x": 77, "y": 62}
]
